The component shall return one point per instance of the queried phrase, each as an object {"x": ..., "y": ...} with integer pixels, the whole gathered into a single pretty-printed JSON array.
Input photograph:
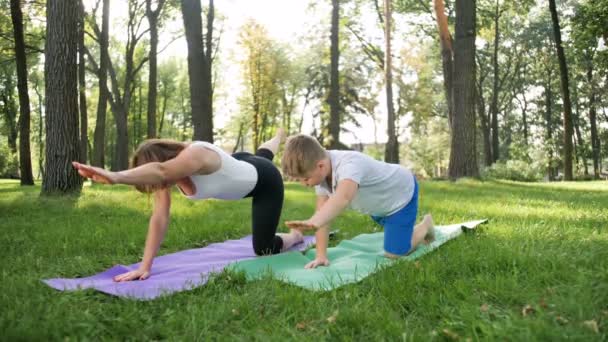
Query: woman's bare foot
[
  {"x": 290, "y": 239},
  {"x": 276, "y": 141}
]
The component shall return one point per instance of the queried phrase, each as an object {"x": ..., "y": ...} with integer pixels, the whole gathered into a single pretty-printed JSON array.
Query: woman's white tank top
[{"x": 233, "y": 180}]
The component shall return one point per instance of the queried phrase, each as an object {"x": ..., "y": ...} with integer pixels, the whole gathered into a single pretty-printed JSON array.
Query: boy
[{"x": 386, "y": 192}]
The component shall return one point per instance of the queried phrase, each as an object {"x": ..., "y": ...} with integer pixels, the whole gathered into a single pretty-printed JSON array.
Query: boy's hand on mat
[
  {"x": 317, "y": 262},
  {"x": 301, "y": 225},
  {"x": 137, "y": 274},
  {"x": 96, "y": 174}
]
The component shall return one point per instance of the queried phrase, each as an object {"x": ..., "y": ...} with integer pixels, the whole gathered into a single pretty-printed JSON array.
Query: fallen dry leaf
[
  {"x": 592, "y": 324},
  {"x": 561, "y": 320},
  {"x": 301, "y": 325},
  {"x": 450, "y": 334},
  {"x": 332, "y": 318},
  {"x": 484, "y": 307},
  {"x": 528, "y": 309}
]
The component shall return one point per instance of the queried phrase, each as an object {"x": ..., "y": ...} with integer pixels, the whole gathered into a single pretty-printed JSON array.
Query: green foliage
[
  {"x": 9, "y": 163},
  {"x": 517, "y": 170},
  {"x": 429, "y": 149},
  {"x": 543, "y": 250}
]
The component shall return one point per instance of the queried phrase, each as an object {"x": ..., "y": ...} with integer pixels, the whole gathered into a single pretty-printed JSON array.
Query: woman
[{"x": 202, "y": 170}]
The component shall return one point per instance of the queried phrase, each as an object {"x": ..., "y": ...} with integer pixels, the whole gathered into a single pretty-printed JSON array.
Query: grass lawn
[{"x": 537, "y": 271}]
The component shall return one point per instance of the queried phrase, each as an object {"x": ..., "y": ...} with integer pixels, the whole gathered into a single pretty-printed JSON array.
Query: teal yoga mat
[{"x": 351, "y": 260}]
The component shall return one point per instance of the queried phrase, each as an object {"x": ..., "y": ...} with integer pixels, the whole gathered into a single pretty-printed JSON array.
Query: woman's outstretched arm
[
  {"x": 192, "y": 160},
  {"x": 159, "y": 221}
]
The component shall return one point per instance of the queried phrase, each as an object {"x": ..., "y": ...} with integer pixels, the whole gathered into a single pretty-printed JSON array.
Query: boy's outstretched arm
[
  {"x": 327, "y": 210},
  {"x": 322, "y": 239},
  {"x": 345, "y": 192}
]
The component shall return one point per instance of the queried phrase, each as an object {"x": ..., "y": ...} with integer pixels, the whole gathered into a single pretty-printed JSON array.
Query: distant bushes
[
  {"x": 9, "y": 164},
  {"x": 517, "y": 170}
]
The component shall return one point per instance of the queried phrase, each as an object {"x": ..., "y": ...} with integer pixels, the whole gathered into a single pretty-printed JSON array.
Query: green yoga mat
[{"x": 351, "y": 260}]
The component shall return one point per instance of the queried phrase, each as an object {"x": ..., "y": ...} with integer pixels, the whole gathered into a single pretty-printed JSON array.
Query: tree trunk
[
  {"x": 61, "y": 84},
  {"x": 391, "y": 154},
  {"x": 208, "y": 76},
  {"x": 485, "y": 129},
  {"x": 549, "y": 124},
  {"x": 463, "y": 157},
  {"x": 579, "y": 144},
  {"x": 447, "y": 55},
  {"x": 84, "y": 136},
  {"x": 99, "y": 136},
  {"x": 563, "y": 68},
  {"x": 25, "y": 159},
  {"x": 198, "y": 70},
  {"x": 40, "y": 131},
  {"x": 595, "y": 140},
  {"x": 494, "y": 104},
  {"x": 152, "y": 16},
  {"x": 334, "y": 91}
]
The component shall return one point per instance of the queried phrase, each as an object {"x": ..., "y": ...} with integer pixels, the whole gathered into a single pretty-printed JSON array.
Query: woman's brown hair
[{"x": 155, "y": 150}]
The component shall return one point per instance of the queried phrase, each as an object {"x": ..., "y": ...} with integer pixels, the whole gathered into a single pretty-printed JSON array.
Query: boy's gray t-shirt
[{"x": 383, "y": 188}]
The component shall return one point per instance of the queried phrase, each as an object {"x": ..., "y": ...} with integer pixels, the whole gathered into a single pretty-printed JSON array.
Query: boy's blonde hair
[{"x": 302, "y": 152}]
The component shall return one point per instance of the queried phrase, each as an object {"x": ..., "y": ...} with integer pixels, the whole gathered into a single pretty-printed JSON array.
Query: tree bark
[
  {"x": 391, "y": 154},
  {"x": 548, "y": 121},
  {"x": 333, "y": 98},
  {"x": 494, "y": 104},
  {"x": 447, "y": 55},
  {"x": 563, "y": 68},
  {"x": 99, "y": 136},
  {"x": 152, "y": 16},
  {"x": 84, "y": 135},
  {"x": 595, "y": 140},
  {"x": 199, "y": 68},
  {"x": 61, "y": 84},
  {"x": 463, "y": 157},
  {"x": 25, "y": 159}
]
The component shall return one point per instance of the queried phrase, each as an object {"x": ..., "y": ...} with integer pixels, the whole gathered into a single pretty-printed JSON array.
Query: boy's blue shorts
[{"x": 399, "y": 227}]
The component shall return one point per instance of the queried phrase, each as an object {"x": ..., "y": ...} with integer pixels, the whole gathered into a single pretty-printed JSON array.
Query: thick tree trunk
[
  {"x": 391, "y": 154},
  {"x": 61, "y": 84},
  {"x": 99, "y": 136},
  {"x": 334, "y": 91},
  {"x": 563, "y": 68},
  {"x": 152, "y": 16},
  {"x": 25, "y": 159},
  {"x": 208, "y": 76},
  {"x": 198, "y": 70},
  {"x": 447, "y": 55},
  {"x": 463, "y": 157},
  {"x": 84, "y": 136}
]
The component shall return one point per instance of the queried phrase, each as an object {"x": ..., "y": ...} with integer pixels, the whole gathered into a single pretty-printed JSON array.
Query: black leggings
[{"x": 267, "y": 201}]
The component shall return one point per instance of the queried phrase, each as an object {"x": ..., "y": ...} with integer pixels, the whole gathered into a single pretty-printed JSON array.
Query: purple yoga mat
[{"x": 171, "y": 273}]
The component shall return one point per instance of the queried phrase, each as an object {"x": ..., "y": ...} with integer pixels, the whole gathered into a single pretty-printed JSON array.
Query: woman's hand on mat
[
  {"x": 322, "y": 261},
  {"x": 96, "y": 174},
  {"x": 301, "y": 225},
  {"x": 137, "y": 274}
]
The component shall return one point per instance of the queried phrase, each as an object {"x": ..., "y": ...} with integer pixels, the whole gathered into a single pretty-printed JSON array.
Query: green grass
[{"x": 546, "y": 247}]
